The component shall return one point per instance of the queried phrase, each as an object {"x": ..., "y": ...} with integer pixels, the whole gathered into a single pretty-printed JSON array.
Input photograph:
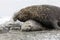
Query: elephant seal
[
  {"x": 47, "y": 15},
  {"x": 31, "y": 25}
]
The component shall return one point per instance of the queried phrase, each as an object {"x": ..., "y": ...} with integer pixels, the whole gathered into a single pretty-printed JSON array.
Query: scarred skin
[{"x": 47, "y": 15}]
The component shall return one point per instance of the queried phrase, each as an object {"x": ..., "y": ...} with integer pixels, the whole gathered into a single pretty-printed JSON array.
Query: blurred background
[{"x": 9, "y": 7}]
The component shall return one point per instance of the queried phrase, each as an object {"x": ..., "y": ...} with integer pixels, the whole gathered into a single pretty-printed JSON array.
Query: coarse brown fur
[{"x": 46, "y": 15}]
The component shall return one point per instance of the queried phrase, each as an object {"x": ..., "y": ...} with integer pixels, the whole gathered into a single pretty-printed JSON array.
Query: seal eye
[{"x": 58, "y": 24}]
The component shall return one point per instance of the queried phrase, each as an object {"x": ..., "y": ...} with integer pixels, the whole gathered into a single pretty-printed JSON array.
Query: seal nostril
[{"x": 29, "y": 25}]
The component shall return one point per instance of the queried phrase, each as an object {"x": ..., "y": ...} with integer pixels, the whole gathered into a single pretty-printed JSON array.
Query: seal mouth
[{"x": 26, "y": 30}]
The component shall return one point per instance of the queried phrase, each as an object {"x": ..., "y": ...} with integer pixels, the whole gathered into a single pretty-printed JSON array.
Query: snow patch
[{"x": 4, "y": 19}]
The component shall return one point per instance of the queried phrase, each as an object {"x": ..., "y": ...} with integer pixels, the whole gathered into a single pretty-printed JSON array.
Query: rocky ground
[
  {"x": 37, "y": 35},
  {"x": 9, "y": 34}
]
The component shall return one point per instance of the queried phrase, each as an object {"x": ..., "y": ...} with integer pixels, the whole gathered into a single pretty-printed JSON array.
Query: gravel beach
[{"x": 36, "y": 35}]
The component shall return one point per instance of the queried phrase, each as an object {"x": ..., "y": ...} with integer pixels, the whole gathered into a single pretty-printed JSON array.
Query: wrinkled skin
[{"x": 47, "y": 15}]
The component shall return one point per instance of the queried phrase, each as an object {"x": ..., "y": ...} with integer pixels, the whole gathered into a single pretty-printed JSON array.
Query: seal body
[{"x": 46, "y": 15}]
